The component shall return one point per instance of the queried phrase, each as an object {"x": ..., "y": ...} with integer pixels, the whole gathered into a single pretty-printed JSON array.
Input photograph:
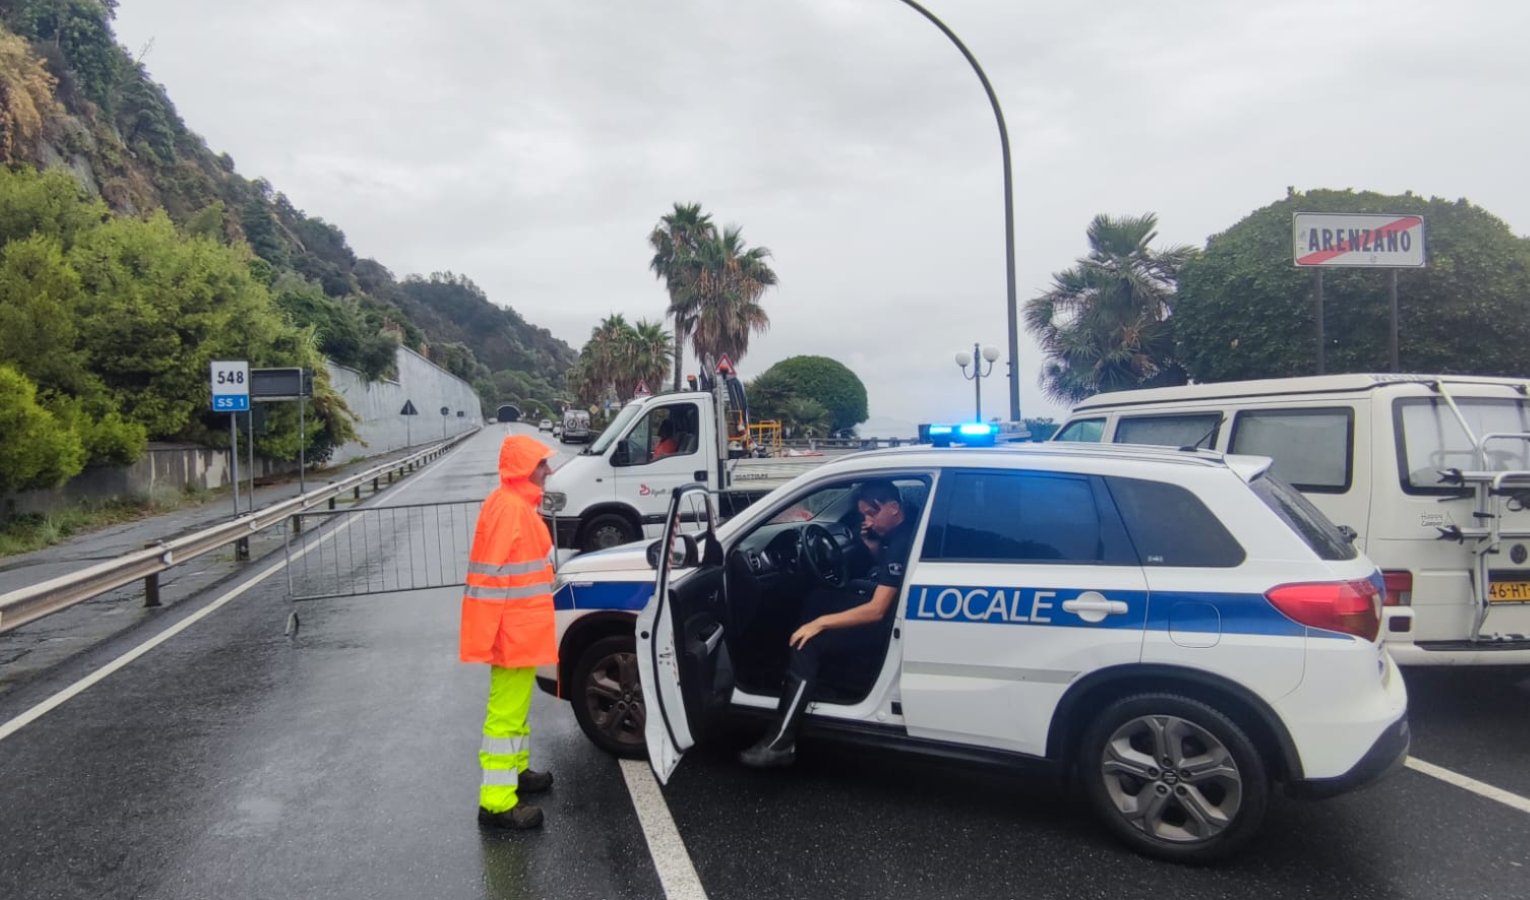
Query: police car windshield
[
  {"x": 827, "y": 504},
  {"x": 618, "y": 424}
]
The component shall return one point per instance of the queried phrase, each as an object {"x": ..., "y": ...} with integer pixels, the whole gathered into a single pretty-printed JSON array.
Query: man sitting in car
[{"x": 842, "y": 623}]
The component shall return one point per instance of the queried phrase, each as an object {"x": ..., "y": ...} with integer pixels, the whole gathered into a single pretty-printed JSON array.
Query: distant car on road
[{"x": 544, "y": 425}]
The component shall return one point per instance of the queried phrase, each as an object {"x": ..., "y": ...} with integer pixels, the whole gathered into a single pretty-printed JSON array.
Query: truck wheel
[
  {"x": 1173, "y": 777},
  {"x": 608, "y": 698},
  {"x": 609, "y": 530}
]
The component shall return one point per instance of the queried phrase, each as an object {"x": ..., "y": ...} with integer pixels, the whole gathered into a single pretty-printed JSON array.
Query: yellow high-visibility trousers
[{"x": 506, "y": 749}]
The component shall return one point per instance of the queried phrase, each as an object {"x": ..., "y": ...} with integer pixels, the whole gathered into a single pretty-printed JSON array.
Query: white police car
[{"x": 1179, "y": 631}]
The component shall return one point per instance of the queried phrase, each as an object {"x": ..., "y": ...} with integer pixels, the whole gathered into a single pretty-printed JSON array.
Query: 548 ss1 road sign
[{"x": 230, "y": 385}]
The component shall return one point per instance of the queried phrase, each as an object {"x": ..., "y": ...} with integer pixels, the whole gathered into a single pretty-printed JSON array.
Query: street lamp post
[
  {"x": 1009, "y": 211},
  {"x": 975, "y": 359}
]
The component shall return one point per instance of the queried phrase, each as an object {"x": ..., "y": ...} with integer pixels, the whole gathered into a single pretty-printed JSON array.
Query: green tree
[
  {"x": 818, "y": 378},
  {"x": 1105, "y": 323},
  {"x": 805, "y": 417},
  {"x": 649, "y": 353},
  {"x": 51, "y": 203},
  {"x": 35, "y": 450},
  {"x": 675, "y": 241},
  {"x": 729, "y": 277},
  {"x": 1245, "y": 311}
]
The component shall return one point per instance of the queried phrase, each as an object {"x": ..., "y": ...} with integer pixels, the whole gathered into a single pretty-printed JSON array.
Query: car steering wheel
[{"x": 821, "y": 555}]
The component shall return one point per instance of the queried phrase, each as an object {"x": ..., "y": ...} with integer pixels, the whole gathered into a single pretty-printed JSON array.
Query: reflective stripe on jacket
[{"x": 507, "y": 606}]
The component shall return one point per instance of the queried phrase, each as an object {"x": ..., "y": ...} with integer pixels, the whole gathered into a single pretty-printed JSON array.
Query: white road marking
[
  {"x": 1480, "y": 788},
  {"x": 74, "y": 690},
  {"x": 676, "y": 873}
]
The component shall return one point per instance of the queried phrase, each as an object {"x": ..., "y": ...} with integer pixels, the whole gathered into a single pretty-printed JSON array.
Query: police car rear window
[
  {"x": 1298, "y": 512},
  {"x": 1170, "y": 526}
]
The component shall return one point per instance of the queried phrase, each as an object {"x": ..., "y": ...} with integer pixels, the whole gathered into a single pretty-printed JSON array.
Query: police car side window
[
  {"x": 1023, "y": 517},
  {"x": 1170, "y": 526}
]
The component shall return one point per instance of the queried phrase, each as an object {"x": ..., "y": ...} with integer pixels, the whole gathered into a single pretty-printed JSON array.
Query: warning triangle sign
[
  {"x": 642, "y": 389},
  {"x": 408, "y": 409},
  {"x": 725, "y": 364}
]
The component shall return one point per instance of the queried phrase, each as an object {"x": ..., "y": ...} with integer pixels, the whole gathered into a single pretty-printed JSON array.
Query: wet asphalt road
[{"x": 236, "y": 761}]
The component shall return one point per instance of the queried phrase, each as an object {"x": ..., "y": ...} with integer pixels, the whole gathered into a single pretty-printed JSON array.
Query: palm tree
[
  {"x": 674, "y": 243},
  {"x": 1105, "y": 324},
  {"x": 728, "y": 278},
  {"x": 649, "y": 352}
]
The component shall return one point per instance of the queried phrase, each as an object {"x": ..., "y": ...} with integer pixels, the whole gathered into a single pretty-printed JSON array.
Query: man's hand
[
  {"x": 870, "y": 538},
  {"x": 806, "y": 633}
]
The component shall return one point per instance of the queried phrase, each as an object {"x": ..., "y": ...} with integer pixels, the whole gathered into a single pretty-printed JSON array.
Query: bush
[{"x": 36, "y": 451}]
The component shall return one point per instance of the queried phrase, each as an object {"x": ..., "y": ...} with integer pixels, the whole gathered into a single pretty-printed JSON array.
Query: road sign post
[
  {"x": 407, "y": 412},
  {"x": 1357, "y": 240},
  {"x": 229, "y": 381}
]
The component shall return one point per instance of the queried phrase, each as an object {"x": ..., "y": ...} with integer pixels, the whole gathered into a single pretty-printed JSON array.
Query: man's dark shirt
[{"x": 892, "y": 555}]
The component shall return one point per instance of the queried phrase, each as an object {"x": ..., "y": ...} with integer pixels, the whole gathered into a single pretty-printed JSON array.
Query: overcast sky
[{"x": 533, "y": 145}]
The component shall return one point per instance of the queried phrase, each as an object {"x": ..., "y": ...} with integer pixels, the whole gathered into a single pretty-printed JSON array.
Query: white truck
[{"x": 617, "y": 489}]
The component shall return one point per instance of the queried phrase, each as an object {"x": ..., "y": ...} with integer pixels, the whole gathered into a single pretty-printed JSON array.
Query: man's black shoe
[
  {"x": 533, "y": 782},
  {"x": 520, "y": 818},
  {"x": 766, "y": 755}
]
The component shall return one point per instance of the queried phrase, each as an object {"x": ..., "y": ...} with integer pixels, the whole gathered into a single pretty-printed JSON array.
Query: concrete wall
[
  {"x": 380, "y": 403},
  {"x": 172, "y": 468}
]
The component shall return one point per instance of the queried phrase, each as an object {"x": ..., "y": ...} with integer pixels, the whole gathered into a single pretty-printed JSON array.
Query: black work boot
[
  {"x": 519, "y": 818},
  {"x": 532, "y": 782},
  {"x": 779, "y": 745}
]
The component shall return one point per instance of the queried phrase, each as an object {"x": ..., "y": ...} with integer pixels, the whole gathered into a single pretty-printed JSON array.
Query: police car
[{"x": 1179, "y": 632}]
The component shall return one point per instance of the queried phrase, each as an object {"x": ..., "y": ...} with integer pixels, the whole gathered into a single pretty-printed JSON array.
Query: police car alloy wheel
[
  {"x": 1174, "y": 777},
  {"x": 608, "y": 699}
]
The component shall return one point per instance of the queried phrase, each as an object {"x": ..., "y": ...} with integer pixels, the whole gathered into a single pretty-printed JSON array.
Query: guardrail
[{"x": 31, "y": 603}]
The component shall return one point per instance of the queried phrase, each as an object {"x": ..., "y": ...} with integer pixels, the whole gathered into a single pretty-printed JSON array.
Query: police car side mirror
[
  {"x": 682, "y": 555},
  {"x": 1349, "y": 533}
]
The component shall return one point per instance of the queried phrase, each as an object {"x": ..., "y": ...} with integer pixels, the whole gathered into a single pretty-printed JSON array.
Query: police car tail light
[
  {"x": 1399, "y": 588},
  {"x": 1350, "y": 607}
]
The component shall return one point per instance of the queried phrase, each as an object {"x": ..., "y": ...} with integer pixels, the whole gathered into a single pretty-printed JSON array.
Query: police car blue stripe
[
  {"x": 1227, "y": 613},
  {"x": 1204, "y": 612},
  {"x": 626, "y": 595}
]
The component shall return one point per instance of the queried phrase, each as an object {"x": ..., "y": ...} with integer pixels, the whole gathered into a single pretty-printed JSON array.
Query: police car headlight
[{"x": 554, "y": 501}]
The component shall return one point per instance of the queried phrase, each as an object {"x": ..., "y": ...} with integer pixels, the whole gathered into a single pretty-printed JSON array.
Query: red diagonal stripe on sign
[{"x": 1322, "y": 256}]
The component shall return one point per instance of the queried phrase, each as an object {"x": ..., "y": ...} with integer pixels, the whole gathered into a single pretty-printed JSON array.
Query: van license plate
[{"x": 1509, "y": 591}]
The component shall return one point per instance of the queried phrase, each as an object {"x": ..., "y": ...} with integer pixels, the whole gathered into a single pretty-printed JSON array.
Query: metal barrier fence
[
  {"x": 30, "y": 603},
  {"x": 379, "y": 550}
]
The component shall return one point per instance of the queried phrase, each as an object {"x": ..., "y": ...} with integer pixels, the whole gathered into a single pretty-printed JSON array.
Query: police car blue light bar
[{"x": 969, "y": 434}]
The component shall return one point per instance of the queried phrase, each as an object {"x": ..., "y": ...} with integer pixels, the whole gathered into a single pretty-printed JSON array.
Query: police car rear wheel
[
  {"x": 608, "y": 698},
  {"x": 1173, "y": 777}
]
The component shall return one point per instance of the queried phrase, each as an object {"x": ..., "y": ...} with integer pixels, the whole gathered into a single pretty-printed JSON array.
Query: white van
[{"x": 1430, "y": 472}]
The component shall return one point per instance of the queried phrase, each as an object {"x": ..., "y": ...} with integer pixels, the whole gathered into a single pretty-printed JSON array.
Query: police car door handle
[
  {"x": 1092, "y": 606},
  {"x": 711, "y": 640}
]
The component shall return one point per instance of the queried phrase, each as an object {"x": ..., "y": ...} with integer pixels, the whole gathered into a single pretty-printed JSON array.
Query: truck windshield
[
  {"x": 617, "y": 426},
  {"x": 1430, "y": 438}
]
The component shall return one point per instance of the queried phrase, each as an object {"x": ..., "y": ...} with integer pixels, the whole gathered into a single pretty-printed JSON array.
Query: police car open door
[{"x": 682, "y": 659}]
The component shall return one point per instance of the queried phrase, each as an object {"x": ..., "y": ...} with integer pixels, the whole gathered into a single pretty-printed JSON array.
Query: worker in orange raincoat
[{"x": 507, "y": 622}]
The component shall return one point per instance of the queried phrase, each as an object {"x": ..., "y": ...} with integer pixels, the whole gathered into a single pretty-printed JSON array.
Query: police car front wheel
[{"x": 1174, "y": 777}]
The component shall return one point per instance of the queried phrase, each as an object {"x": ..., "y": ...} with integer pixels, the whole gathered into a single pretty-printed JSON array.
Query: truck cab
[{"x": 617, "y": 489}]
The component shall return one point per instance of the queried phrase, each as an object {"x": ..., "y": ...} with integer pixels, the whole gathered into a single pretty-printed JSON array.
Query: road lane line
[
  {"x": 676, "y": 873},
  {"x": 36, "y": 712},
  {"x": 1480, "y": 788}
]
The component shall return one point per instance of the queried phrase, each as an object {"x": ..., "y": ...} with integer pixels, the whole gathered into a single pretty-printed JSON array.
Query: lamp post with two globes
[{"x": 976, "y": 359}]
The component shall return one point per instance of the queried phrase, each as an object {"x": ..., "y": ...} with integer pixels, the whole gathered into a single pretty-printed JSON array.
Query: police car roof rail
[{"x": 1050, "y": 448}]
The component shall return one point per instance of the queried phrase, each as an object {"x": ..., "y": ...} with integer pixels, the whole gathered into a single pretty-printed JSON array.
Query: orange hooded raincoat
[{"x": 507, "y": 608}]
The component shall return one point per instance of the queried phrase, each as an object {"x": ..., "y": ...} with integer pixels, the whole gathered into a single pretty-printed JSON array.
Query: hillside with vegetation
[{"x": 157, "y": 241}]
